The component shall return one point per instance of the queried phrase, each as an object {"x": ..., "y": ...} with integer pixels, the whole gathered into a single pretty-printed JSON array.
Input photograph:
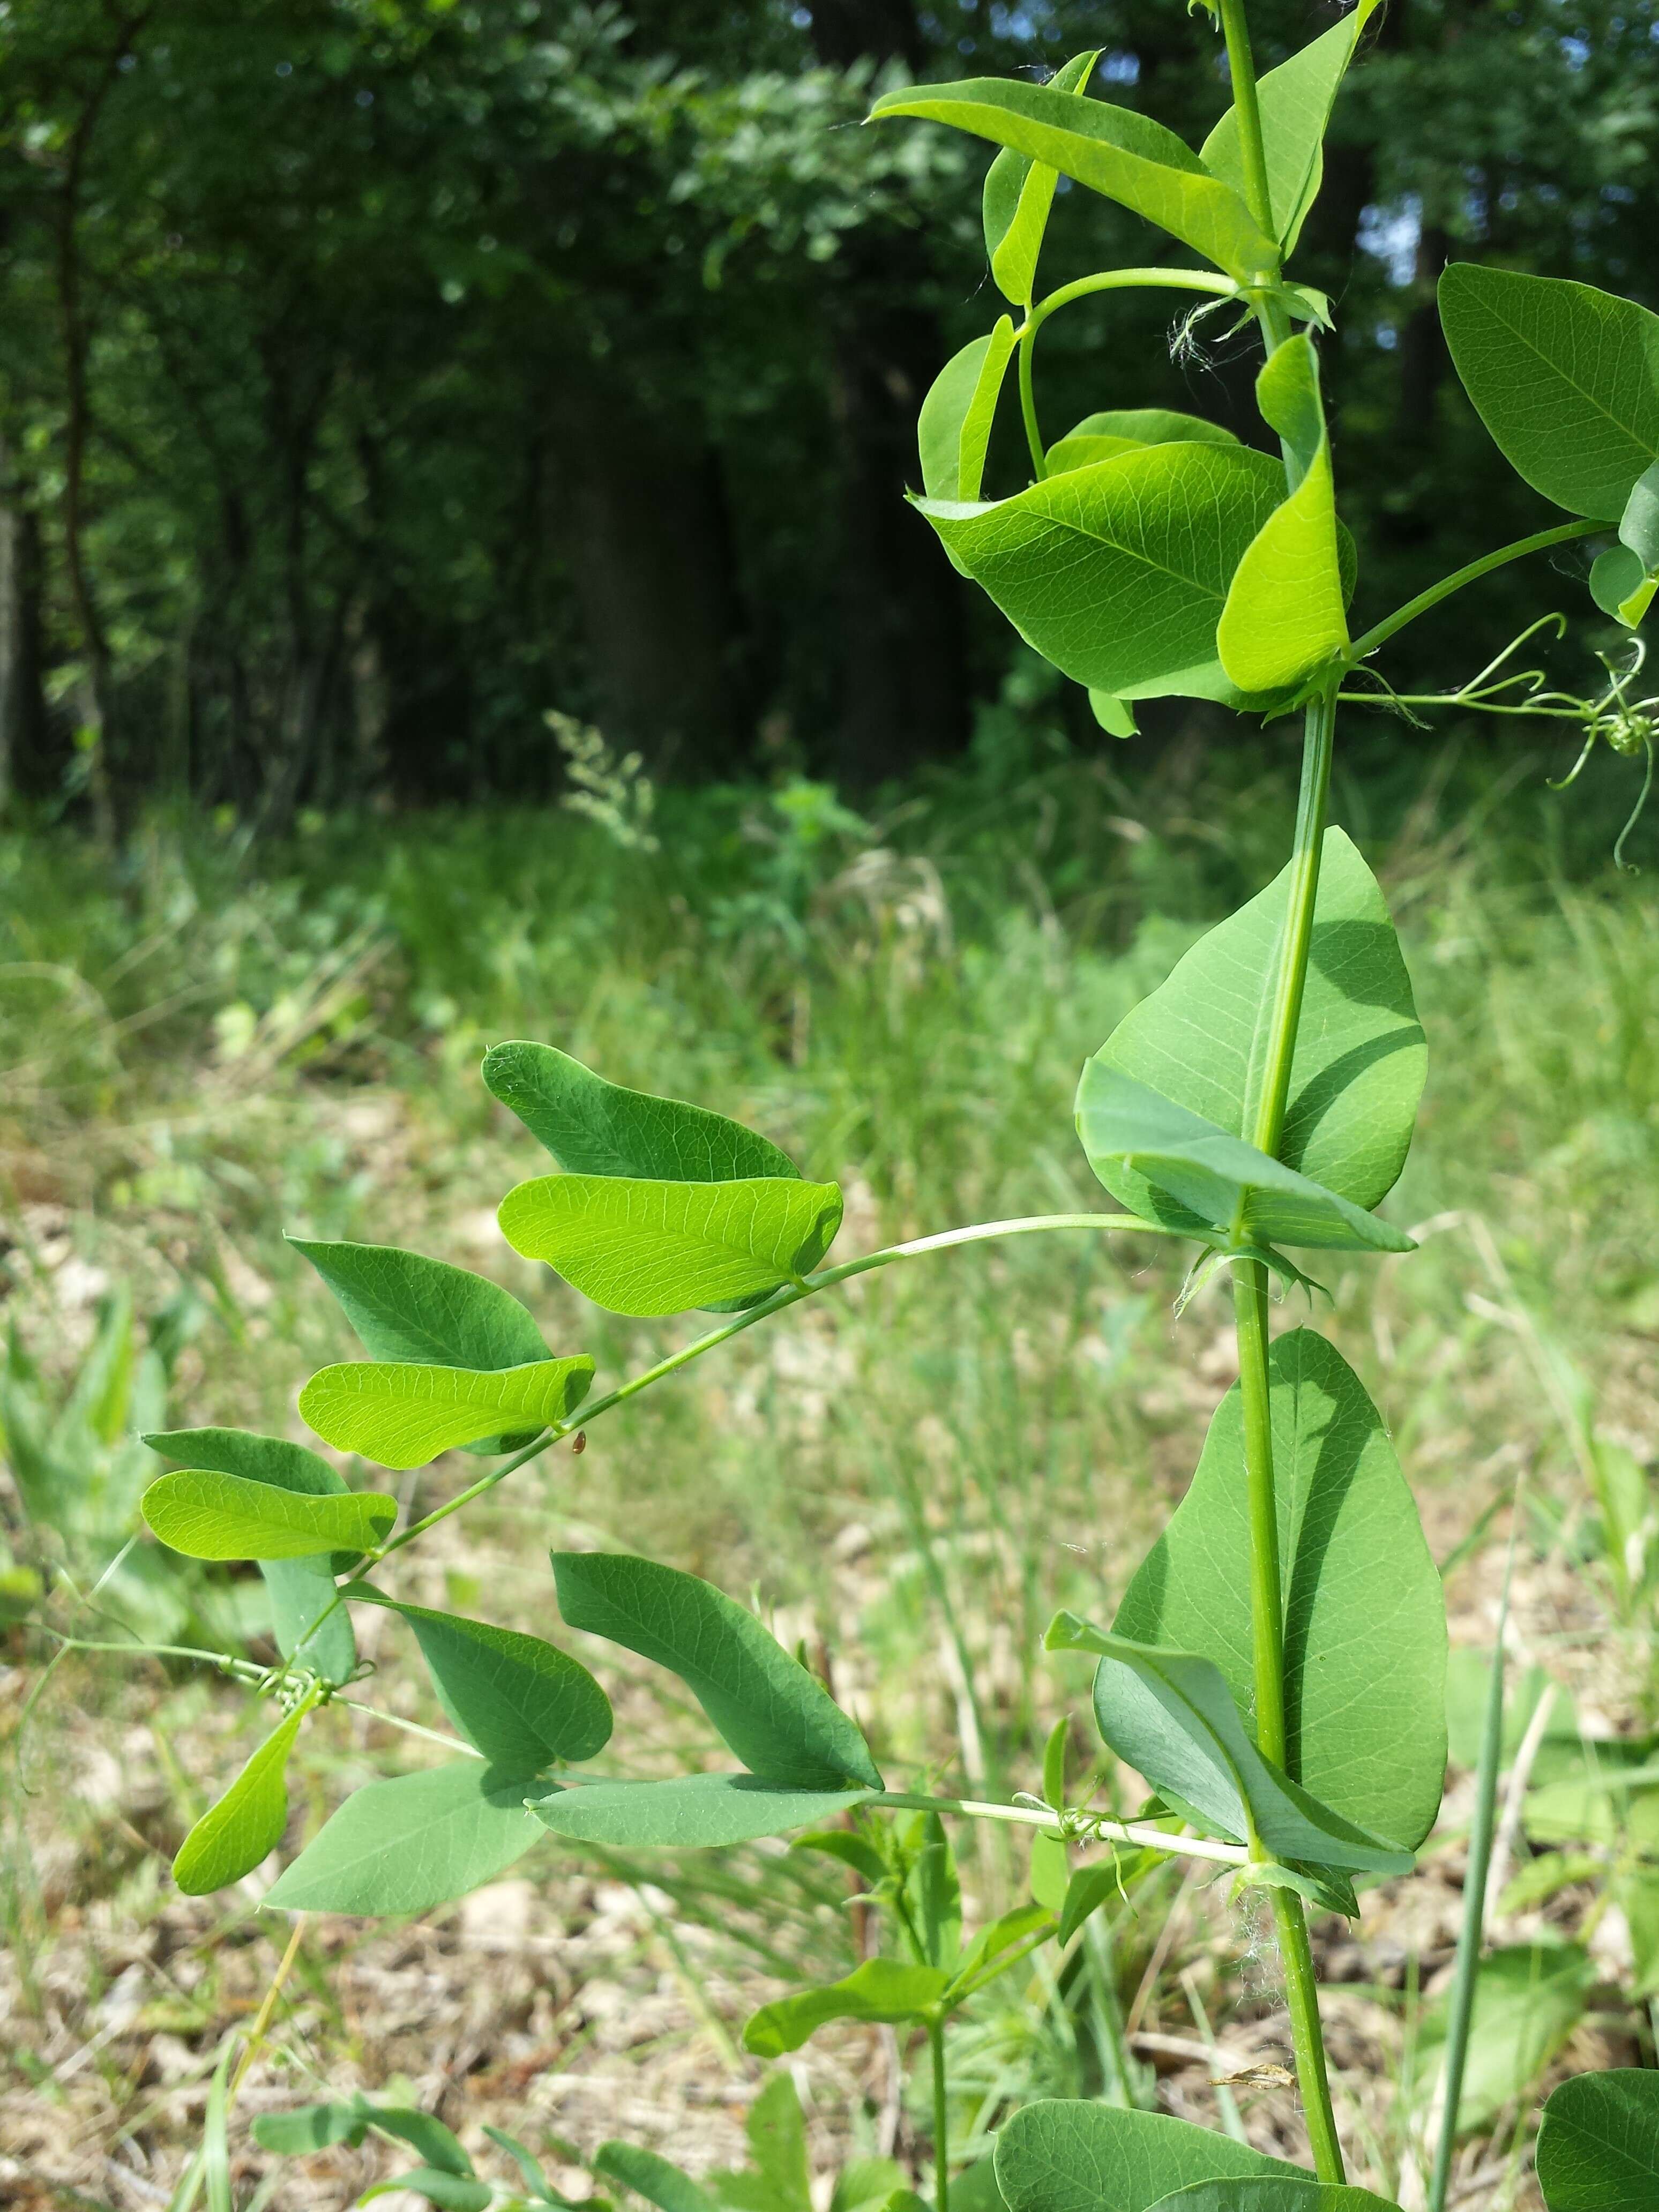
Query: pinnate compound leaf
[
  {"x": 1170, "y": 1716},
  {"x": 403, "y": 1416},
  {"x": 594, "y": 1127},
  {"x": 1273, "y": 2193},
  {"x": 1285, "y": 615},
  {"x": 417, "y": 1841},
  {"x": 688, "y": 1812},
  {"x": 210, "y": 1516},
  {"x": 1125, "y": 157},
  {"x": 306, "y": 1621},
  {"x": 1018, "y": 194},
  {"x": 1598, "y": 2145},
  {"x": 1527, "y": 2000},
  {"x": 880, "y": 1989},
  {"x": 1296, "y": 100},
  {"x": 953, "y": 430},
  {"x": 523, "y": 1702},
  {"x": 1565, "y": 377},
  {"x": 781, "y": 1723},
  {"x": 1118, "y": 573},
  {"x": 1201, "y": 1037},
  {"x": 242, "y": 1830},
  {"x": 1364, "y": 1614},
  {"x": 1061, "y": 2155},
  {"x": 453, "y": 2192},
  {"x": 1191, "y": 1175},
  {"x": 651, "y": 2178},
  {"x": 1115, "y": 430},
  {"x": 652, "y": 1249}
]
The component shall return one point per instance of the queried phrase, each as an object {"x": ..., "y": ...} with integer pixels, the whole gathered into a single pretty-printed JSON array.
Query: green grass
[{"x": 205, "y": 1044}]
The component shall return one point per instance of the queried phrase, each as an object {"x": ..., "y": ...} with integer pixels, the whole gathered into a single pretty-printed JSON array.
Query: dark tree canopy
[{"x": 379, "y": 375}]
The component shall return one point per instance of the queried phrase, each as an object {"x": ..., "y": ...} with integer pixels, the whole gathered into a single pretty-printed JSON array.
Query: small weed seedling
[{"x": 1276, "y": 1670}]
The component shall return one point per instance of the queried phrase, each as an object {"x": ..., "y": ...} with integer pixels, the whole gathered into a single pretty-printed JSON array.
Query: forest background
[{"x": 377, "y": 377}]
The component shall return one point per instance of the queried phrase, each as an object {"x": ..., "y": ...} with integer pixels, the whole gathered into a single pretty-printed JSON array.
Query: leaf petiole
[
  {"x": 1471, "y": 573},
  {"x": 790, "y": 1295}
]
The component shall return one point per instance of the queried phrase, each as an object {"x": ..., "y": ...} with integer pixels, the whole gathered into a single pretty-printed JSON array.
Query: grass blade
[{"x": 1461, "y": 2008}]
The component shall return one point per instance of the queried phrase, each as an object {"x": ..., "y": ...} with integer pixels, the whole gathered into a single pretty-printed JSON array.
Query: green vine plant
[{"x": 1276, "y": 1671}]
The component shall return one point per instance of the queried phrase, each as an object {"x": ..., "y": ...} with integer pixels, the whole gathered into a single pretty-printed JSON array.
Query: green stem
[
  {"x": 1302, "y": 1994},
  {"x": 1028, "y": 401},
  {"x": 1137, "y": 1832},
  {"x": 1253, "y": 152},
  {"x": 941, "y": 2119},
  {"x": 1267, "y": 1588},
  {"x": 1241, "y": 64},
  {"x": 1318, "y": 744},
  {"x": 1250, "y": 1308},
  {"x": 1105, "y": 280},
  {"x": 1120, "y": 280},
  {"x": 1562, "y": 534},
  {"x": 792, "y": 1295}
]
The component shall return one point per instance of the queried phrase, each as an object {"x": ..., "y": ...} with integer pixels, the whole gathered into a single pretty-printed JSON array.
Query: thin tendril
[
  {"x": 1566, "y": 782},
  {"x": 1619, "y": 861}
]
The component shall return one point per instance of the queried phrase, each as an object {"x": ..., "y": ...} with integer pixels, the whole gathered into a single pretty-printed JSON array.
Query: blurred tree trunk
[
  {"x": 905, "y": 690},
  {"x": 644, "y": 539},
  {"x": 27, "y": 769}
]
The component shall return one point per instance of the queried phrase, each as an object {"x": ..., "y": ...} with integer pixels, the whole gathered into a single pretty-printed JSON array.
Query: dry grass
[{"x": 935, "y": 1460}]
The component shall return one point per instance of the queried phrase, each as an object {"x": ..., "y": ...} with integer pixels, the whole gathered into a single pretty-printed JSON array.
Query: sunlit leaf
[
  {"x": 1201, "y": 1037},
  {"x": 1118, "y": 573},
  {"x": 1564, "y": 376},
  {"x": 1285, "y": 615},
  {"x": 651, "y": 1249},
  {"x": 953, "y": 430},
  {"x": 1018, "y": 194},
  {"x": 403, "y": 1416},
  {"x": 1295, "y": 101},
  {"x": 522, "y": 1701},
  {"x": 1125, "y": 156},
  {"x": 242, "y": 1830},
  {"x": 210, "y": 1516},
  {"x": 1365, "y": 1615},
  {"x": 1598, "y": 2145},
  {"x": 691, "y": 1812},
  {"x": 410, "y": 1844},
  {"x": 308, "y": 1624},
  {"x": 781, "y": 1722},
  {"x": 880, "y": 1989},
  {"x": 1058, "y": 2155},
  {"x": 1102, "y": 436},
  {"x": 1170, "y": 1716}
]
